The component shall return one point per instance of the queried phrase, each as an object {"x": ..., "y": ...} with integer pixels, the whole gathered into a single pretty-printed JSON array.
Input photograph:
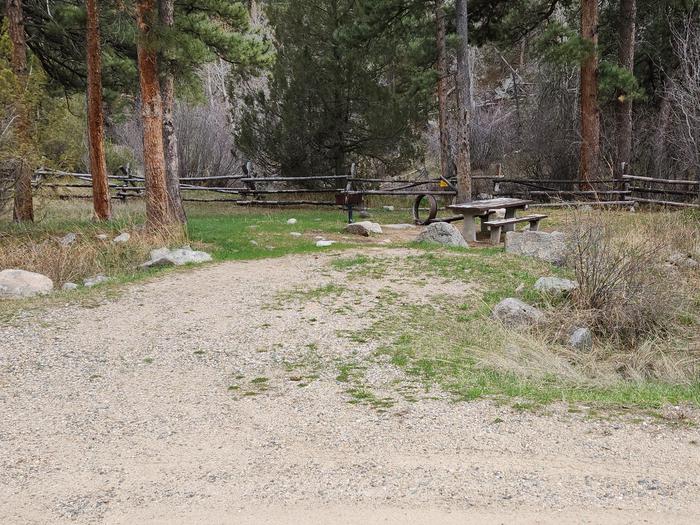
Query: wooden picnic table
[{"x": 484, "y": 208}]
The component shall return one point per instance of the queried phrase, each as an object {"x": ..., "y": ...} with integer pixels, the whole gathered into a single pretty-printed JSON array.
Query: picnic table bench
[{"x": 486, "y": 209}]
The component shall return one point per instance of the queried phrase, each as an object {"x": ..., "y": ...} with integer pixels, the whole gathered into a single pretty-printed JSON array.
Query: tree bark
[
  {"x": 157, "y": 210},
  {"x": 464, "y": 174},
  {"x": 590, "y": 113},
  {"x": 172, "y": 163},
  {"x": 623, "y": 110},
  {"x": 98, "y": 163},
  {"x": 442, "y": 89},
  {"x": 23, "y": 202}
]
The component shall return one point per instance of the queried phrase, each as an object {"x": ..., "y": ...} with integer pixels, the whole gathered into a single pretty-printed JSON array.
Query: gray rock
[
  {"x": 364, "y": 214},
  {"x": 581, "y": 339},
  {"x": 254, "y": 243},
  {"x": 324, "y": 244},
  {"x": 295, "y": 234},
  {"x": 555, "y": 286},
  {"x": 683, "y": 260},
  {"x": 124, "y": 237},
  {"x": 94, "y": 281},
  {"x": 68, "y": 239},
  {"x": 69, "y": 287},
  {"x": 550, "y": 247},
  {"x": 388, "y": 208},
  {"x": 364, "y": 228},
  {"x": 176, "y": 257},
  {"x": 399, "y": 226},
  {"x": 291, "y": 221},
  {"x": 514, "y": 312},
  {"x": 442, "y": 233},
  {"x": 20, "y": 283}
]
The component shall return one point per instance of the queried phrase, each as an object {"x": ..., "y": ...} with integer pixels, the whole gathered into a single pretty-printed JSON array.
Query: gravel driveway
[{"x": 189, "y": 399}]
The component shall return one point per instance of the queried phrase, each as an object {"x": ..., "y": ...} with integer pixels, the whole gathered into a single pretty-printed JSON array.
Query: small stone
[
  {"x": 581, "y": 339},
  {"x": 68, "y": 239},
  {"x": 555, "y": 286},
  {"x": 124, "y": 237},
  {"x": 254, "y": 243},
  {"x": 514, "y": 312},
  {"x": 102, "y": 236},
  {"x": 20, "y": 283},
  {"x": 69, "y": 287},
  {"x": 94, "y": 281},
  {"x": 291, "y": 221},
  {"x": 364, "y": 214},
  {"x": 683, "y": 260},
  {"x": 323, "y": 244},
  {"x": 388, "y": 208},
  {"x": 295, "y": 234}
]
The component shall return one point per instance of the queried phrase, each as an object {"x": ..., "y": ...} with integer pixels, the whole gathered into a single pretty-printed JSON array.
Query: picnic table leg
[
  {"x": 510, "y": 214},
  {"x": 469, "y": 228},
  {"x": 484, "y": 218}
]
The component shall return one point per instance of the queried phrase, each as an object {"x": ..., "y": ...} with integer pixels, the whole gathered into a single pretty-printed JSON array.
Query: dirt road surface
[{"x": 177, "y": 402}]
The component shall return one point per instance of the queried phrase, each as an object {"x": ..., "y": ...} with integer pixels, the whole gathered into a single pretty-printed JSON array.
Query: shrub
[{"x": 624, "y": 288}]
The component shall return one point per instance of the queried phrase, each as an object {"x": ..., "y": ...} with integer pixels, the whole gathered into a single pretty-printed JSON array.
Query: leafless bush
[
  {"x": 549, "y": 136},
  {"x": 623, "y": 289},
  {"x": 685, "y": 98}
]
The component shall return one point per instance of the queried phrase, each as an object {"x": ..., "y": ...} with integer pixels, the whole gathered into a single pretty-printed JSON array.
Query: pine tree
[
  {"x": 350, "y": 83},
  {"x": 172, "y": 171},
  {"x": 158, "y": 212},
  {"x": 98, "y": 164},
  {"x": 590, "y": 112},
  {"x": 441, "y": 69},
  {"x": 464, "y": 179},
  {"x": 628, "y": 14},
  {"x": 24, "y": 206}
]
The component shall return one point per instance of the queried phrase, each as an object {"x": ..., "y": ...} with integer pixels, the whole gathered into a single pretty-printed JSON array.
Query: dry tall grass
[{"x": 42, "y": 252}]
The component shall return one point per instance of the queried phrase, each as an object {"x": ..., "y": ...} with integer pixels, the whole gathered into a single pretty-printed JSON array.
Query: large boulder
[
  {"x": 442, "y": 233},
  {"x": 550, "y": 247},
  {"x": 555, "y": 286},
  {"x": 364, "y": 228},
  {"x": 514, "y": 312},
  {"x": 176, "y": 257},
  {"x": 20, "y": 283}
]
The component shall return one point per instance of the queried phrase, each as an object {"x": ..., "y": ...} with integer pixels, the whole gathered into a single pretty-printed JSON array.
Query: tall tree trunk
[
  {"x": 157, "y": 209},
  {"x": 98, "y": 164},
  {"x": 464, "y": 172},
  {"x": 628, "y": 14},
  {"x": 590, "y": 113},
  {"x": 442, "y": 88},
  {"x": 172, "y": 164},
  {"x": 23, "y": 205}
]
